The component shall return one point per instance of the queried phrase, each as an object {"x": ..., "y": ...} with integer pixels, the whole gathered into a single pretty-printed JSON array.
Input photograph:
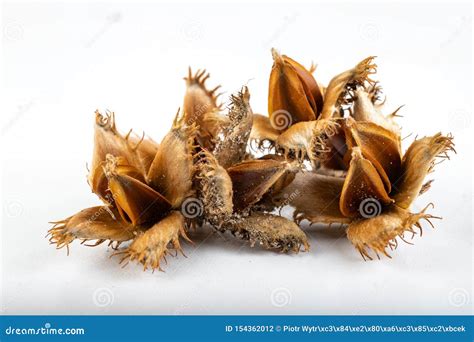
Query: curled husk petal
[
  {"x": 307, "y": 139},
  {"x": 136, "y": 202},
  {"x": 366, "y": 110},
  {"x": 231, "y": 148},
  {"x": 362, "y": 182},
  {"x": 99, "y": 223},
  {"x": 201, "y": 108},
  {"x": 418, "y": 161},
  {"x": 150, "y": 247},
  {"x": 380, "y": 232},
  {"x": 171, "y": 172},
  {"x": 337, "y": 87},
  {"x": 292, "y": 91},
  {"x": 263, "y": 131},
  {"x": 269, "y": 231}
]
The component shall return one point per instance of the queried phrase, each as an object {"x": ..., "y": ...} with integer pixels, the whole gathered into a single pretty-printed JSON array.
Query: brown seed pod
[
  {"x": 231, "y": 148},
  {"x": 252, "y": 179},
  {"x": 315, "y": 198},
  {"x": 136, "y": 202},
  {"x": 293, "y": 91},
  {"x": 362, "y": 182}
]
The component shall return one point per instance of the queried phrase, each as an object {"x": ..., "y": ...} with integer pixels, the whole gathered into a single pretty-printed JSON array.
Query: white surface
[{"x": 61, "y": 62}]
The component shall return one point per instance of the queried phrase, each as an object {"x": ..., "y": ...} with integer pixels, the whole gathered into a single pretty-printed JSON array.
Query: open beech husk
[{"x": 330, "y": 153}]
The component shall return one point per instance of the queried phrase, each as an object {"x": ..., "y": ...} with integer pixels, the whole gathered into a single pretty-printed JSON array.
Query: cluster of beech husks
[{"x": 329, "y": 152}]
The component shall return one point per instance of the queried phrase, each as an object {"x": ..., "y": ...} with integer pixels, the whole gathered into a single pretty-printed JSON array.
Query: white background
[{"x": 61, "y": 62}]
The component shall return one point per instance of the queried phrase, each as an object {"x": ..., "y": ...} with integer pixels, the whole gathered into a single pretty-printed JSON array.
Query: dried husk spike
[
  {"x": 315, "y": 198},
  {"x": 337, "y": 87},
  {"x": 362, "y": 182},
  {"x": 214, "y": 188},
  {"x": 231, "y": 148},
  {"x": 171, "y": 173},
  {"x": 99, "y": 223},
  {"x": 269, "y": 231},
  {"x": 366, "y": 110},
  {"x": 381, "y": 232},
  {"x": 137, "y": 152},
  {"x": 136, "y": 202},
  {"x": 201, "y": 107},
  {"x": 293, "y": 91},
  {"x": 155, "y": 244},
  {"x": 308, "y": 139},
  {"x": 418, "y": 161},
  {"x": 252, "y": 179}
]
